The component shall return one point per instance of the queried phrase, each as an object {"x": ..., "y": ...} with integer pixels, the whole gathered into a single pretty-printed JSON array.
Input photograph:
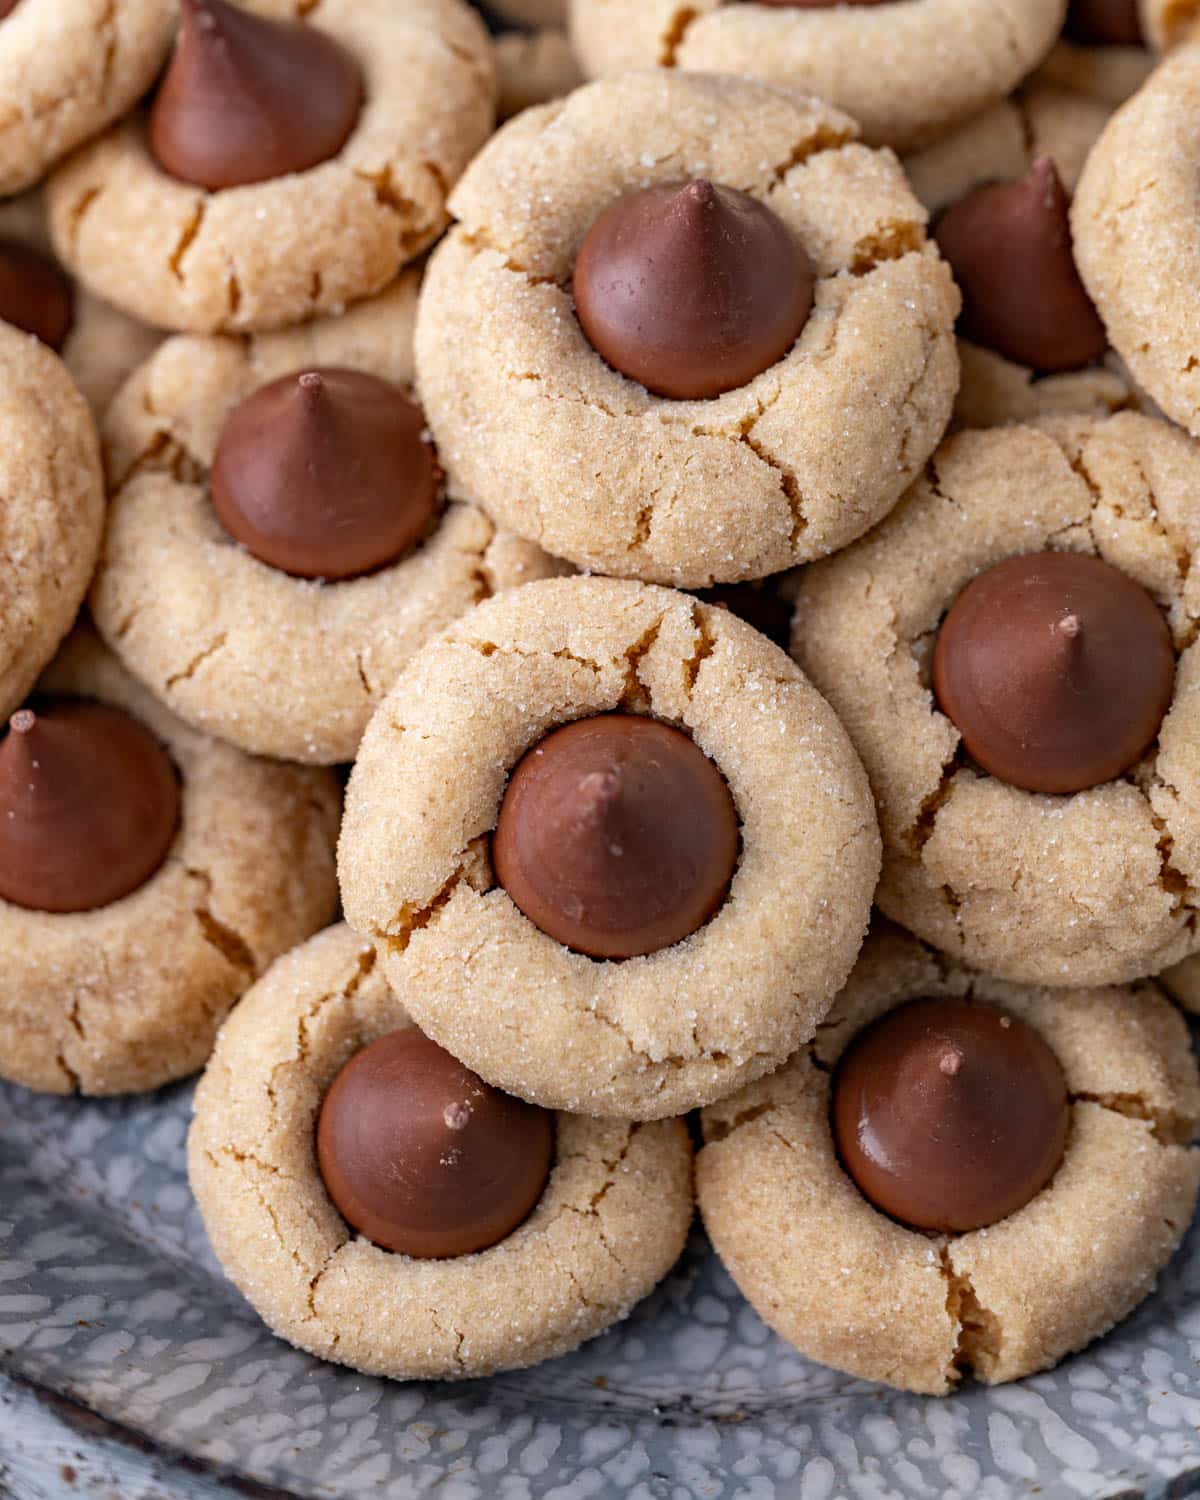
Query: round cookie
[
  {"x": 534, "y": 425},
  {"x": 184, "y": 258},
  {"x": 908, "y": 72},
  {"x": 654, "y": 1035},
  {"x": 533, "y": 68},
  {"x": 103, "y": 346},
  {"x": 1094, "y": 888},
  {"x": 275, "y": 664},
  {"x": 1136, "y": 242},
  {"x": 68, "y": 69},
  {"x": 1001, "y": 145},
  {"x": 610, "y": 1224},
  {"x": 129, "y": 996},
  {"x": 53, "y": 510},
  {"x": 862, "y": 1292}
]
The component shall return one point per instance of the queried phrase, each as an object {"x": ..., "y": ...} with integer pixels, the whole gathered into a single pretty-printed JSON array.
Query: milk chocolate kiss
[
  {"x": 89, "y": 806},
  {"x": 423, "y": 1157},
  {"x": 1104, "y": 23},
  {"x": 35, "y": 296},
  {"x": 692, "y": 289},
  {"x": 617, "y": 836},
  {"x": 325, "y": 474},
  {"x": 949, "y": 1115},
  {"x": 247, "y": 98},
  {"x": 1057, "y": 670},
  {"x": 1009, "y": 246}
]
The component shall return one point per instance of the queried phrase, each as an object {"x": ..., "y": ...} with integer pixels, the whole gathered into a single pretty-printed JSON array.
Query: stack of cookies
[{"x": 734, "y": 523}]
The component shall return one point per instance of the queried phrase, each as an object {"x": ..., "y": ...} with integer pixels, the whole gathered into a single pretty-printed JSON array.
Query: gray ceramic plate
[{"x": 110, "y": 1295}]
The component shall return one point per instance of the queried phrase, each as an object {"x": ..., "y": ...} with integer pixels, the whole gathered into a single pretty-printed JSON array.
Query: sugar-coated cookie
[
  {"x": 610, "y": 1223},
  {"x": 128, "y": 995},
  {"x": 824, "y": 409},
  {"x": 1094, "y": 886},
  {"x": 743, "y": 839},
  {"x": 856, "y": 1289}
]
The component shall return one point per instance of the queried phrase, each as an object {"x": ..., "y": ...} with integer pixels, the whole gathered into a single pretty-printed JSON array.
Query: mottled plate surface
[{"x": 110, "y": 1294}]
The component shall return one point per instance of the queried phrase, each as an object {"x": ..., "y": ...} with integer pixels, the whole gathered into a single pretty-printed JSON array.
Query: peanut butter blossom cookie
[
  {"x": 687, "y": 329},
  {"x": 147, "y": 876},
  {"x": 959, "y": 1175},
  {"x": 614, "y": 851},
  {"x": 1136, "y": 238},
  {"x": 1012, "y": 654},
  {"x": 279, "y": 541},
  {"x": 908, "y": 71},
  {"x": 232, "y": 206},
  {"x": 53, "y": 507},
  {"x": 68, "y": 69},
  {"x": 382, "y": 1206}
]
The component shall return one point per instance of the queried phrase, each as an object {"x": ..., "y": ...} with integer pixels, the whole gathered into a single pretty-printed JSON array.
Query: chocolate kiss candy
[
  {"x": 325, "y": 474},
  {"x": 692, "y": 289},
  {"x": 1104, "y": 23},
  {"x": 1009, "y": 246},
  {"x": 948, "y": 1115},
  {"x": 35, "y": 296},
  {"x": 89, "y": 806},
  {"x": 1056, "y": 669},
  {"x": 246, "y": 98},
  {"x": 617, "y": 836},
  {"x": 423, "y": 1157}
]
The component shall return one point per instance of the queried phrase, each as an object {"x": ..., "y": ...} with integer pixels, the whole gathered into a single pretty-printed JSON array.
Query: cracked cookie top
[
  {"x": 1002, "y": 145},
  {"x": 1136, "y": 241},
  {"x": 609, "y": 1225},
  {"x": 647, "y": 1036},
  {"x": 272, "y": 253},
  {"x": 907, "y": 72},
  {"x": 103, "y": 346},
  {"x": 53, "y": 509},
  {"x": 859, "y": 1291},
  {"x": 1093, "y": 888},
  {"x": 68, "y": 69},
  {"x": 553, "y": 442},
  {"x": 275, "y": 664},
  {"x": 128, "y": 996}
]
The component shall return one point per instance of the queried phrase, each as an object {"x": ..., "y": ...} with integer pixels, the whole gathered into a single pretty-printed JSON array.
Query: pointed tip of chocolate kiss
[
  {"x": 225, "y": 112},
  {"x": 326, "y": 474},
  {"x": 23, "y": 721}
]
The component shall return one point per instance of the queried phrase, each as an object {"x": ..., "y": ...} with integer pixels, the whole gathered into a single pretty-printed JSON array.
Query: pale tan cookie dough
[
  {"x": 646, "y": 1037},
  {"x": 1001, "y": 145},
  {"x": 1095, "y": 888},
  {"x": 533, "y": 67},
  {"x": 1137, "y": 241},
  {"x": 68, "y": 69},
  {"x": 104, "y": 346},
  {"x": 270, "y": 254},
  {"x": 550, "y": 440},
  {"x": 129, "y": 996},
  {"x": 858, "y": 1291},
  {"x": 276, "y": 665},
  {"x": 612, "y": 1220},
  {"x": 51, "y": 508},
  {"x": 908, "y": 72}
]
